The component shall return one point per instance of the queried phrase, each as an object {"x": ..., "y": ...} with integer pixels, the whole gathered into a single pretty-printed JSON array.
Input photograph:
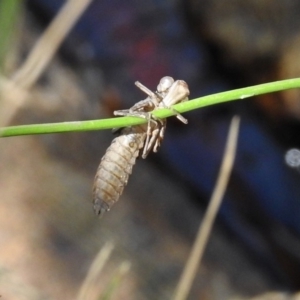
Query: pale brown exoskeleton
[{"x": 116, "y": 165}]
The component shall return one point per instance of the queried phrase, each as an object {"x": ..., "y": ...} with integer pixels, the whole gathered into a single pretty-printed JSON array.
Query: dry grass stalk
[
  {"x": 11, "y": 99},
  {"x": 205, "y": 228},
  {"x": 115, "y": 281},
  {"x": 13, "y": 92},
  {"x": 47, "y": 45},
  {"x": 94, "y": 271}
]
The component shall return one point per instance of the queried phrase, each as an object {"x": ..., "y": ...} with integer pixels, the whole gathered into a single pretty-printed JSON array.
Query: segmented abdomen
[{"x": 115, "y": 168}]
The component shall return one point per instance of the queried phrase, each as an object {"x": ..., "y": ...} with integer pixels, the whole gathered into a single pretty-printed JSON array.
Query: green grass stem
[
  {"x": 76, "y": 126},
  {"x": 9, "y": 12}
]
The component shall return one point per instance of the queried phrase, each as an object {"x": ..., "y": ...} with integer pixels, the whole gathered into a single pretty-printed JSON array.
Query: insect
[{"x": 134, "y": 141}]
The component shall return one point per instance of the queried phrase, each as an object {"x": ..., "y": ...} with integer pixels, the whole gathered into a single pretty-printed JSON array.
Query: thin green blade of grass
[
  {"x": 115, "y": 281},
  {"x": 94, "y": 272},
  {"x": 9, "y": 12},
  {"x": 238, "y": 94},
  {"x": 13, "y": 91}
]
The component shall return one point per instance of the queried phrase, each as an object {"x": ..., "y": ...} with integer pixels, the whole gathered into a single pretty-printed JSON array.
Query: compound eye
[{"x": 164, "y": 84}]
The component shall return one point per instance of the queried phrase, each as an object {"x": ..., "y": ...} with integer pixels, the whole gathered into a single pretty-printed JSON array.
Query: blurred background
[{"x": 49, "y": 234}]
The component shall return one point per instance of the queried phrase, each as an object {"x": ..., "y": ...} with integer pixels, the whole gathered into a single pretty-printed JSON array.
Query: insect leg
[
  {"x": 145, "y": 89},
  {"x": 178, "y": 115},
  {"x": 157, "y": 134},
  {"x": 146, "y": 115},
  {"x": 156, "y": 99},
  {"x": 141, "y": 106},
  {"x": 144, "y": 105},
  {"x": 152, "y": 122},
  {"x": 177, "y": 93},
  {"x": 161, "y": 135},
  {"x": 150, "y": 142},
  {"x": 123, "y": 112}
]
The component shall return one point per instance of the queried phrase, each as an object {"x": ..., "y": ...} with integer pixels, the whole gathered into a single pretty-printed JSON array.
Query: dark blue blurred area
[
  {"x": 260, "y": 167},
  {"x": 133, "y": 42},
  {"x": 130, "y": 42}
]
